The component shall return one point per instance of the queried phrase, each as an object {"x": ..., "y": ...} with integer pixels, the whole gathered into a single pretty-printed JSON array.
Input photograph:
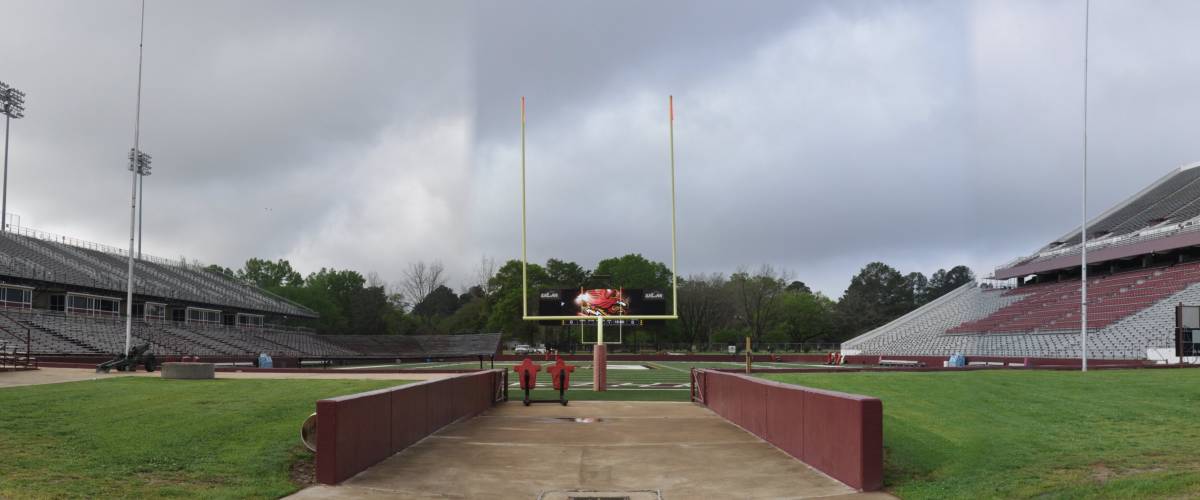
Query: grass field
[
  {"x": 1005, "y": 434},
  {"x": 142, "y": 437}
]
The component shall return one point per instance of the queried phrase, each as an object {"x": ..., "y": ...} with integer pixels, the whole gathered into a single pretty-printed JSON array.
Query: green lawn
[
  {"x": 140, "y": 437},
  {"x": 1005, "y": 434}
]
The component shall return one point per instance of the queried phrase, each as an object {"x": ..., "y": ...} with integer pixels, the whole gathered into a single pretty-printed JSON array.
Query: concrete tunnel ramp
[{"x": 589, "y": 449}]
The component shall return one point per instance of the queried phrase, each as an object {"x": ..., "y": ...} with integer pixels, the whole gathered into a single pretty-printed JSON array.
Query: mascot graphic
[{"x": 601, "y": 302}]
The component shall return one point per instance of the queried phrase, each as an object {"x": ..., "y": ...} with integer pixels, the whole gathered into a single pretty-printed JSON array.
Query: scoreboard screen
[{"x": 601, "y": 302}]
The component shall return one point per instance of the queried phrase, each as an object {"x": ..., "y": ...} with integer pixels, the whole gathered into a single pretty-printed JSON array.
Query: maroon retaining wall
[
  {"x": 837, "y": 433},
  {"x": 360, "y": 430}
]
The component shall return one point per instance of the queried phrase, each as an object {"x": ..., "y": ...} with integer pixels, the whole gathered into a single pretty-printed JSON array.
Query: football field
[{"x": 622, "y": 375}]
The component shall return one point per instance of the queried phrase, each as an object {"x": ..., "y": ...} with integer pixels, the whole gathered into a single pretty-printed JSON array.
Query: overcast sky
[{"x": 813, "y": 136}]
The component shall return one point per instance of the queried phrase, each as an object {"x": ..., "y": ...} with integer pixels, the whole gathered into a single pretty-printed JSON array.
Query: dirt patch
[
  {"x": 303, "y": 472},
  {"x": 1101, "y": 473}
]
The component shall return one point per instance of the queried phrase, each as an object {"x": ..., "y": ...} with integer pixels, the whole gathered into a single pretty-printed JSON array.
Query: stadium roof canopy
[{"x": 1163, "y": 216}]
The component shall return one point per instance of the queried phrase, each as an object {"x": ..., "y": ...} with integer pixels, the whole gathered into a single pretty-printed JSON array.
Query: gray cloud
[{"x": 816, "y": 136}]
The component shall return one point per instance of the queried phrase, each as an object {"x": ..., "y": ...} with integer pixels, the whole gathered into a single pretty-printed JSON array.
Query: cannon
[{"x": 138, "y": 355}]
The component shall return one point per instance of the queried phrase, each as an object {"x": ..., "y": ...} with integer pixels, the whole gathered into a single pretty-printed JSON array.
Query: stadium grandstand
[
  {"x": 65, "y": 297},
  {"x": 1143, "y": 260}
]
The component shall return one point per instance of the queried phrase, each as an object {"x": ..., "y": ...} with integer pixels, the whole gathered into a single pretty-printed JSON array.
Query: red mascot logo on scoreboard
[{"x": 601, "y": 302}]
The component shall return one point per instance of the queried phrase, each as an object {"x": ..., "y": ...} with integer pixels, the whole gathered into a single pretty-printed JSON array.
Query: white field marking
[
  {"x": 784, "y": 364},
  {"x": 780, "y": 364},
  {"x": 368, "y": 367},
  {"x": 414, "y": 366},
  {"x": 681, "y": 370}
]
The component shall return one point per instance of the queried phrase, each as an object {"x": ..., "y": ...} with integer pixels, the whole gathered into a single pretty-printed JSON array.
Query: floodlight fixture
[
  {"x": 142, "y": 162},
  {"x": 142, "y": 170},
  {"x": 12, "y": 101},
  {"x": 12, "y": 105}
]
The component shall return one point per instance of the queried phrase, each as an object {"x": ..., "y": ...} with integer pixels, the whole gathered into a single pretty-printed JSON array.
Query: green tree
[
  {"x": 876, "y": 295},
  {"x": 270, "y": 275},
  {"x": 756, "y": 298},
  {"x": 920, "y": 288},
  {"x": 704, "y": 307},
  {"x": 944, "y": 282},
  {"x": 566, "y": 274},
  {"x": 221, "y": 270},
  {"x": 798, "y": 286},
  {"x": 806, "y": 317},
  {"x": 367, "y": 311},
  {"x": 505, "y": 315},
  {"x": 331, "y": 318},
  {"x": 471, "y": 317},
  {"x": 635, "y": 271},
  {"x": 336, "y": 289},
  {"x": 440, "y": 302}
]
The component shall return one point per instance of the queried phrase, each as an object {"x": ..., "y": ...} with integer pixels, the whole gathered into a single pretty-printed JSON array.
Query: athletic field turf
[
  {"x": 143, "y": 437},
  {"x": 1020, "y": 434},
  {"x": 622, "y": 375}
]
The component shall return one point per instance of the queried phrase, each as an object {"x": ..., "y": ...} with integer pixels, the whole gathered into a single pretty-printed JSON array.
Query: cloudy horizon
[{"x": 812, "y": 136}]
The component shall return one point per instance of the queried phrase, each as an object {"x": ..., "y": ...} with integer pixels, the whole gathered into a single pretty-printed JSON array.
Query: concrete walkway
[
  {"x": 59, "y": 375},
  {"x": 607, "y": 449},
  {"x": 49, "y": 376}
]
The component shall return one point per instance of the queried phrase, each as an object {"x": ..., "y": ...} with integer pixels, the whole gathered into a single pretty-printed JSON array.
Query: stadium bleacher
[
  {"x": 53, "y": 265},
  {"x": 34, "y": 255},
  {"x": 60, "y": 334},
  {"x": 1140, "y": 267}
]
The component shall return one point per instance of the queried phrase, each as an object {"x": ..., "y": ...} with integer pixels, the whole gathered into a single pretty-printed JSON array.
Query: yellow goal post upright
[{"x": 600, "y": 351}]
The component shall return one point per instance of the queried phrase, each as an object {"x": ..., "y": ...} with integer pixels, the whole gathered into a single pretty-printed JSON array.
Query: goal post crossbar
[{"x": 524, "y": 230}]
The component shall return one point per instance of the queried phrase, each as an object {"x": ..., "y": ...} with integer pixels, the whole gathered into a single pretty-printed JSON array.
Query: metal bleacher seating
[
  {"x": 38, "y": 257},
  {"x": 105, "y": 268},
  {"x": 1128, "y": 313},
  {"x": 58, "y": 334}
]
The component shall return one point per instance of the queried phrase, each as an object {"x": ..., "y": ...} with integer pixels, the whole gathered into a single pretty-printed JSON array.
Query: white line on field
[
  {"x": 413, "y": 366},
  {"x": 668, "y": 367}
]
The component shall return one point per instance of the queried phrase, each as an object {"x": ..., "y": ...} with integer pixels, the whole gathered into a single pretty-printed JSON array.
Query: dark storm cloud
[{"x": 815, "y": 136}]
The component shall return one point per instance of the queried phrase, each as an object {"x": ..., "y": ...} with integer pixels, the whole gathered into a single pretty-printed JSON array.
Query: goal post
[{"x": 599, "y": 351}]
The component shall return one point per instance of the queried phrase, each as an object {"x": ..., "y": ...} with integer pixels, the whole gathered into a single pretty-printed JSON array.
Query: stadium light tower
[
  {"x": 1083, "y": 301},
  {"x": 13, "y": 102},
  {"x": 139, "y": 164}
]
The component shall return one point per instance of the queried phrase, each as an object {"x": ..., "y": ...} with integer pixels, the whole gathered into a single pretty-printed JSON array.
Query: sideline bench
[{"x": 900, "y": 362}]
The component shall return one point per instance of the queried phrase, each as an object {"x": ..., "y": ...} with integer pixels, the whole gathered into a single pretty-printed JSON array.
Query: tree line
[{"x": 765, "y": 303}]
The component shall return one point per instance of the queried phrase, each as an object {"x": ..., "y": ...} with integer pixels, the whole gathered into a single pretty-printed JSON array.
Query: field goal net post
[{"x": 599, "y": 352}]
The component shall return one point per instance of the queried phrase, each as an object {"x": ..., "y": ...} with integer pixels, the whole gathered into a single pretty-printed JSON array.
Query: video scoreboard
[{"x": 588, "y": 304}]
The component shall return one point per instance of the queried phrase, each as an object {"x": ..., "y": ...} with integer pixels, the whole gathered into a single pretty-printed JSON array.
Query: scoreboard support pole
[{"x": 599, "y": 359}]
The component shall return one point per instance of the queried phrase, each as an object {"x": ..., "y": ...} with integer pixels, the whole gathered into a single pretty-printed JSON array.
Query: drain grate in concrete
[
  {"x": 600, "y": 495},
  {"x": 580, "y": 420}
]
